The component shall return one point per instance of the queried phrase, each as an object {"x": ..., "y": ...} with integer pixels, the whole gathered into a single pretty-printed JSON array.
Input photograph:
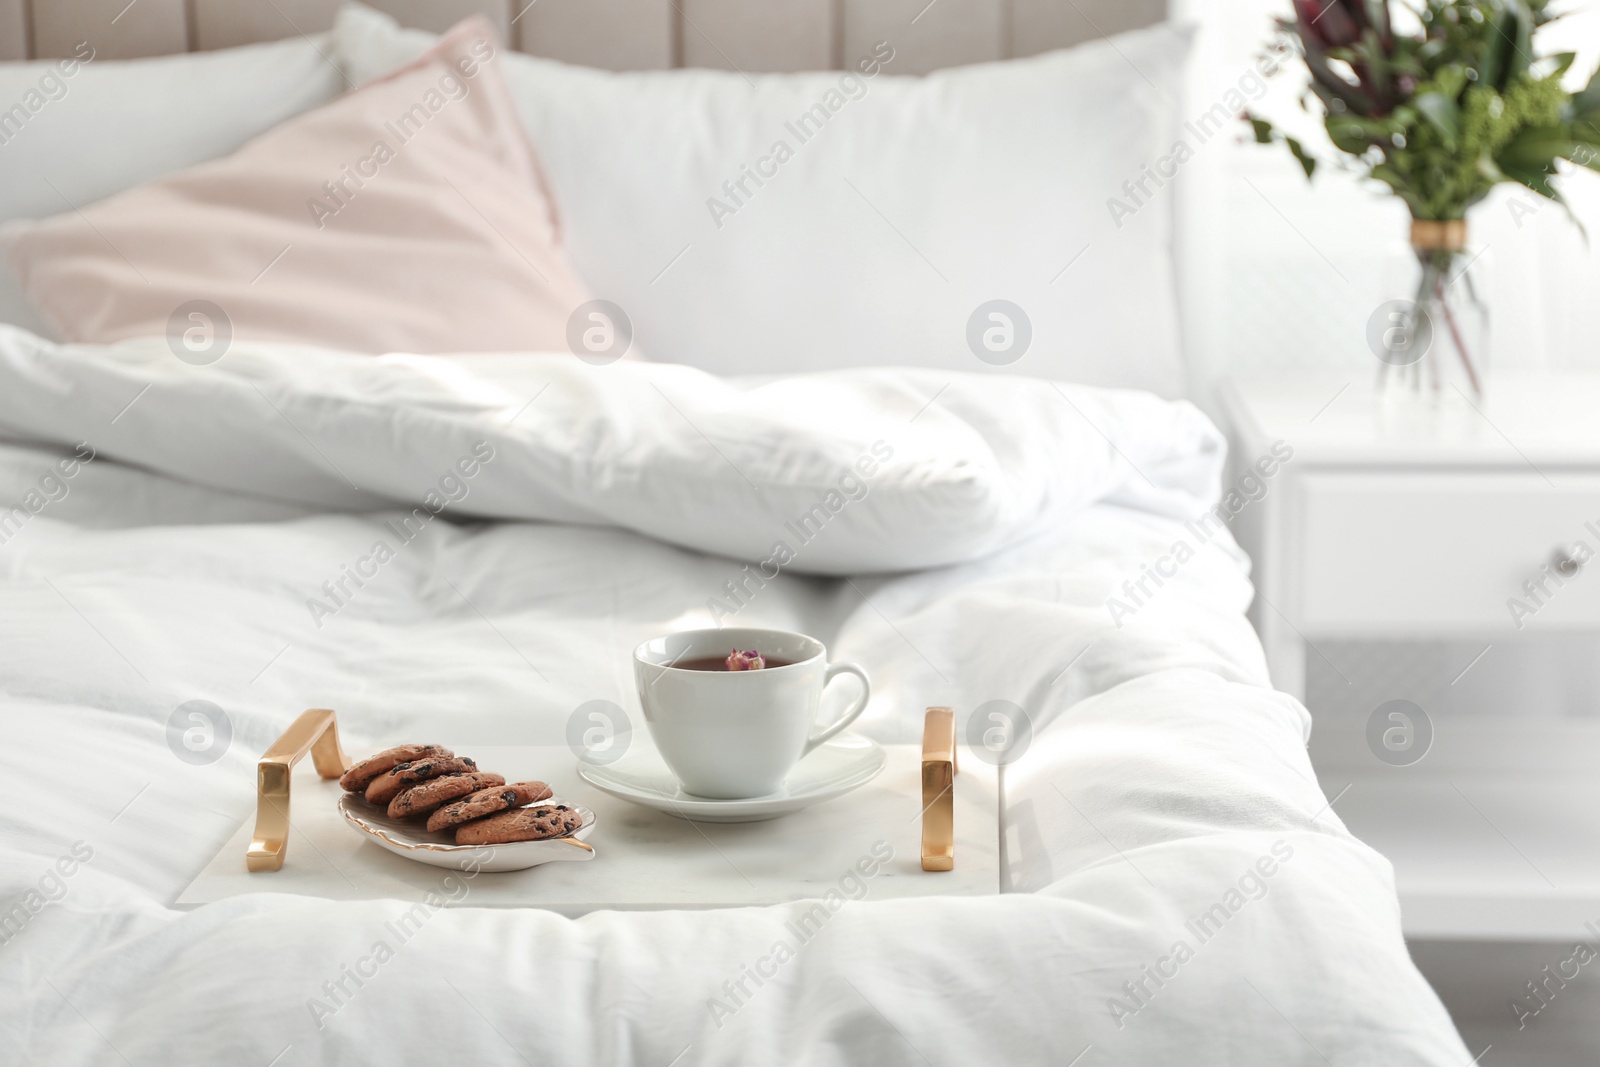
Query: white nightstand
[{"x": 1471, "y": 523}]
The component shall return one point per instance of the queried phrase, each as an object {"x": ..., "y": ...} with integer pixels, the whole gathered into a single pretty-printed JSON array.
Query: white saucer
[
  {"x": 409, "y": 838},
  {"x": 832, "y": 769}
]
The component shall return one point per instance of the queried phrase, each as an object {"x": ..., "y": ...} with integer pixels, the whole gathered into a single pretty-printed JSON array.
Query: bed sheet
[{"x": 1178, "y": 888}]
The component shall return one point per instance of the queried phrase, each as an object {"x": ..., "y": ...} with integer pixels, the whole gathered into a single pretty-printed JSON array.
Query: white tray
[{"x": 645, "y": 859}]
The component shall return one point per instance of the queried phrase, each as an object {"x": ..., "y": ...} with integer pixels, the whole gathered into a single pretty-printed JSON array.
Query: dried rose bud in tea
[{"x": 745, "y": 661}]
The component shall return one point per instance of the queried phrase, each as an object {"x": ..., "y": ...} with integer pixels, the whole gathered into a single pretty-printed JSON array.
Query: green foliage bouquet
[
  {"x": 1443, "y": 114},
  {"x": 1440, "y": 113}
]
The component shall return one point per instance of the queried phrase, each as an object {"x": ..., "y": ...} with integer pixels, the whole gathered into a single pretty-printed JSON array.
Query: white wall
[{"x": 1280, "y": 275}]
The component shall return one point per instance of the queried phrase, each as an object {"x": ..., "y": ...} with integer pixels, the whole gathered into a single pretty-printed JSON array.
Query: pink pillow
[{"x": 410, "y": 215}]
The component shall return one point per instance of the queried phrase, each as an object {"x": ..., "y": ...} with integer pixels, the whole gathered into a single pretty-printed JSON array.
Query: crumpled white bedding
[
  {"x": 1179, "y": 890},
  {"x": 708, "y": 463}
]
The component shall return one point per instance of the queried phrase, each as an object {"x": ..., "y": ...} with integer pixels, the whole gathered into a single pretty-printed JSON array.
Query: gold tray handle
[
  {"x": 938, "y": 789},
  {"x": 315, "y": 731}
]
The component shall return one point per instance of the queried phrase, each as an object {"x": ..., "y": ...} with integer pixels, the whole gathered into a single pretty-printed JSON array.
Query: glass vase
[{"x": 1431, "y": 331}]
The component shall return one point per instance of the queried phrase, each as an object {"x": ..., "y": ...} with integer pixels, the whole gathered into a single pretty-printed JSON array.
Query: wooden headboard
[{"x": 747, "y": 35}]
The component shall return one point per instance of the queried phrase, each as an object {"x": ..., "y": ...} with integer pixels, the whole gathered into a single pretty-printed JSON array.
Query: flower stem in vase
[
  {"x": 1423, "y": 320},
  {"x": 1439, "y": 246},
  {"x": 1461, "y": 345}
]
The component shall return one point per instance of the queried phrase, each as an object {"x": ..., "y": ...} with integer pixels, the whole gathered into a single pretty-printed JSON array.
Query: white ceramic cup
[{"x": 731, "y": 735}]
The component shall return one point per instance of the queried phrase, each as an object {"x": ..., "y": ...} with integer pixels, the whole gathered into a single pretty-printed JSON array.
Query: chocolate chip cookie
[
  {"x": 389, "y": 784},
  {"x": 520, "y": 824},
  {"x": 486, "y": 802},
  {"x": 359, "y": 776},
  {"x": 423, "y": 798}
]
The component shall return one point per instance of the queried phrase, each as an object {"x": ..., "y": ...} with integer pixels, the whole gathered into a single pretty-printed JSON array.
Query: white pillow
[
  {"x": 916, "y": 201},
  {"x": 81, "y": 129}
]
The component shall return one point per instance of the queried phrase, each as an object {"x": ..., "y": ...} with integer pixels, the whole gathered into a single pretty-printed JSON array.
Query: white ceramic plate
[
  {"x": 847, "y": 762},
  {"x": 408, "y": 838}
]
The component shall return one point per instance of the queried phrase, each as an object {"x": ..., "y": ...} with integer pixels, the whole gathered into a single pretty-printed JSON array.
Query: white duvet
[{"x": 1178, "y": 889}]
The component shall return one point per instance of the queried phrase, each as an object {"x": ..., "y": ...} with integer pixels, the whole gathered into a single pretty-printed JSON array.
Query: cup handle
[{"x": 834, "y": 670}]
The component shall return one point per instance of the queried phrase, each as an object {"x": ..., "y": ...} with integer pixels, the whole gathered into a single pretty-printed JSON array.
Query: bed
[{"x": 1176, "y": 887}]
